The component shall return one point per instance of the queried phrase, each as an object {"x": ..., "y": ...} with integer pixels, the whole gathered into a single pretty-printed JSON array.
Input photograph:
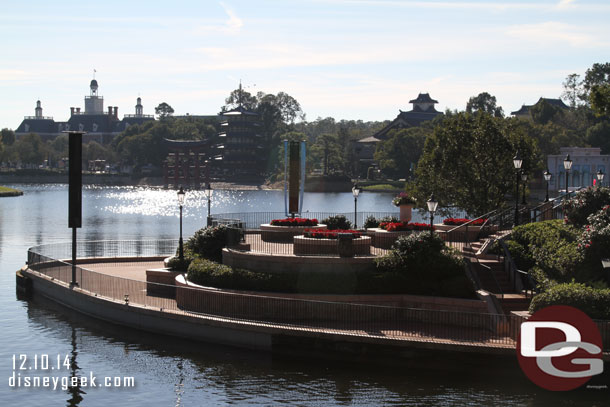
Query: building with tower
[{"x": 101, "y": 126}]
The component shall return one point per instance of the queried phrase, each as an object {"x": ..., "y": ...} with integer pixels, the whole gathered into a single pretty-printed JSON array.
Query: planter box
[
  {"x": 385, "y": 239},
  {"x": 311, "y": 246},
  {"x": 161, "y": 282},
  {"x": 284, "y": 234}
]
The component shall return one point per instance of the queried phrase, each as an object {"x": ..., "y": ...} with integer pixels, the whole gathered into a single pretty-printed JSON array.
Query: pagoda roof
[
  {"x": 185, "y": 143},
  {"x": 370, "y": 139},
  {"x": 553, "y": 102},
  {"x": 423, "y": 98},
  {"x": 239, "y": 110}
]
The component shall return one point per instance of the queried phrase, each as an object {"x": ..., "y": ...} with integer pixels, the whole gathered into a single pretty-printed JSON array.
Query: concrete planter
[
  {"x": 385, "y": 239},
  {"x": 406, "y": 212},
  {"x": 284, "y": 234},
  {"x": 311, "y": 246}
]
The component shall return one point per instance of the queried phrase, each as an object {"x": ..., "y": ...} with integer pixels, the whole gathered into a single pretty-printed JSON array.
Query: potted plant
[{"x": 406, "y": 203}]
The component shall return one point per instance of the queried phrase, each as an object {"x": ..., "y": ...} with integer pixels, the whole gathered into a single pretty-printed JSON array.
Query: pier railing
[{"x": 346, "y": 318}]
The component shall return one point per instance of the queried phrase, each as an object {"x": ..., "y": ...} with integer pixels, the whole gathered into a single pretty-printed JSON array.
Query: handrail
[
  {"x": 485, "y": 266},
  {"x": 487, "y": 215}
]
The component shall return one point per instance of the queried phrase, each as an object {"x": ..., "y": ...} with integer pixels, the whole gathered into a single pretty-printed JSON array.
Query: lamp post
[
  {"x": 567, "y": 165},
  {"x": 600, "y": 177},
  {"x": 517, "y": 162},
  {"x": 355, "y": 192},
  {"x": 432, "y": 204},
  {"x": 181, "y": 195},
  {"x": 524, "y": 179},
  {"x": 208, "y": 193},
  {"x": 547, "y": 178}
]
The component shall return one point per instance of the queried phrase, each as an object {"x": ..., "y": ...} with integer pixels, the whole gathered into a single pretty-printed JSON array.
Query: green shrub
[
  {"x": 595, "y": 239},
  {"x": 553, "y": 247},
  {"x": 521, "y": 255},
  {"x": 176, "y": 264},
  {"x": 337, "y": 222},
  {"x": 592, "y": 301},
  {"x": 371, "y": 222},
  {"x": 422, "y": 264},
  {"x": 585, "y": 203},
  {"x": 208, "y": 242}
]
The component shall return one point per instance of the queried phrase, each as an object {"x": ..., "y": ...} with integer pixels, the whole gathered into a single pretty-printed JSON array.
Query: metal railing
[
  {"x": 253, "y": 220},
  {"x": 445, "y": 326}
]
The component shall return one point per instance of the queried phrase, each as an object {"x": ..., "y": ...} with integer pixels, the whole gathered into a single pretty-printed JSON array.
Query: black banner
[
  {"x": 75, "y": 202},
  {"x": 294, "y": 177}
]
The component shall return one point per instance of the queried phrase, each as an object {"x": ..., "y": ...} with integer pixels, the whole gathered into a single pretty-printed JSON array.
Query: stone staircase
[{"x": 493, "y": 278}]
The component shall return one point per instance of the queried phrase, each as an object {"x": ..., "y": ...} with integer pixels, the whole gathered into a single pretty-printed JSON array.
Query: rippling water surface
[{"x": 172, "y": 372}]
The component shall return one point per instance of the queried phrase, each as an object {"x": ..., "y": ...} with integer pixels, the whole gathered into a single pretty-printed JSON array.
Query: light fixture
[
  {"x": 355, "y": 192},
  {"x": 432, "y": 205},
  {"x": 517, "y": 161},
  {"x": 567, "y": 163}
]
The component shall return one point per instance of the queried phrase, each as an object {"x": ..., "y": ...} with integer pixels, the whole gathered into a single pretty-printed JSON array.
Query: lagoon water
[{"x": 172, "y": 372}]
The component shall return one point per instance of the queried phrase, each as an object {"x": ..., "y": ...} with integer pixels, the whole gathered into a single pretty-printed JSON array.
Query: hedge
[{"x": 592, "y": 301}]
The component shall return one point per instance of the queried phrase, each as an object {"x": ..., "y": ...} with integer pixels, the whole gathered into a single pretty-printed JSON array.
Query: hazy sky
[{"x": 348, "y": 59}]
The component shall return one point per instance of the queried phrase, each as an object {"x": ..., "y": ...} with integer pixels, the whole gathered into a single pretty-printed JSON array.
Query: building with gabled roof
[
  {"x": 423, "y": 110},
  {"x": 524, "y": 111}
]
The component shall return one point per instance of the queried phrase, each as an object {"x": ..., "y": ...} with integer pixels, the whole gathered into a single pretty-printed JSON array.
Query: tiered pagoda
[{"x": 243, "y": 147}]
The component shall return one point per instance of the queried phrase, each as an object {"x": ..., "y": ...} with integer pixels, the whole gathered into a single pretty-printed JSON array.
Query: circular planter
[
  {"x": 311, "y": 246},
  {"x": 284, "y": 234},
  {"x": 385, "y": 239}
]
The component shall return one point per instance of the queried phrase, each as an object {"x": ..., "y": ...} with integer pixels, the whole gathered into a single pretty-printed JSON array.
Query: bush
[
  {"x": 209, "y": 273},
  {"x": 176, "y": 264},
  {"x": 424, "y": 265},
  {"x": 594, "y": 302},
  {"x": 552, "y": 246},
  {"x": 371, "y": 222},
  {"x": 208, "y": 242},
  {"x": 337, "y": 222},
  {"x": 585, "y": 203},
  {"x": 595, "y": 239}
]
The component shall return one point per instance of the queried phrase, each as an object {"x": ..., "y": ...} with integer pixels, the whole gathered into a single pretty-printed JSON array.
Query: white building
[{"x": 586, "y": 162}]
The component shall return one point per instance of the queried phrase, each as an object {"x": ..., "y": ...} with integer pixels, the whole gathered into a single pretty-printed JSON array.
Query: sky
[{"x": 347, "y": 59}]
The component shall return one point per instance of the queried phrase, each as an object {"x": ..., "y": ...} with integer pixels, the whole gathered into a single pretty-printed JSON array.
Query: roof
[
  {"x": 185, "y": 143},
  {"x": 240, "y": 110},
  {"x": 525, "y": 109},
  {"x": 370, "y": 139},
  {"x": 93, "y": 123},
  {"x": 37, "y": 126},
  {"x": 423, "y": 98}
]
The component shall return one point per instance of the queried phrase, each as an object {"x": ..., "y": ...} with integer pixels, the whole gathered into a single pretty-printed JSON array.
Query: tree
[
  {"x": 598, "y": 74},
  {"x": 599, "y": 136},
  {"x": 289, "y": 108},
  {"x": 573, "y": 91},
  {"x": 600, "y": 100},
  {"x": 240, "y": 97},
  {"x": 326, "y": 151},
  {"x": 399, "y": 154},
  {"x": 164, "y": 110},
  {"x": 486, "y": 103},
  {"x": 543, "y": 112},
  {"x": 31, "y": 149},
  {"x": 467, "y": 162},
  {"x": 8, "y": 137}
]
